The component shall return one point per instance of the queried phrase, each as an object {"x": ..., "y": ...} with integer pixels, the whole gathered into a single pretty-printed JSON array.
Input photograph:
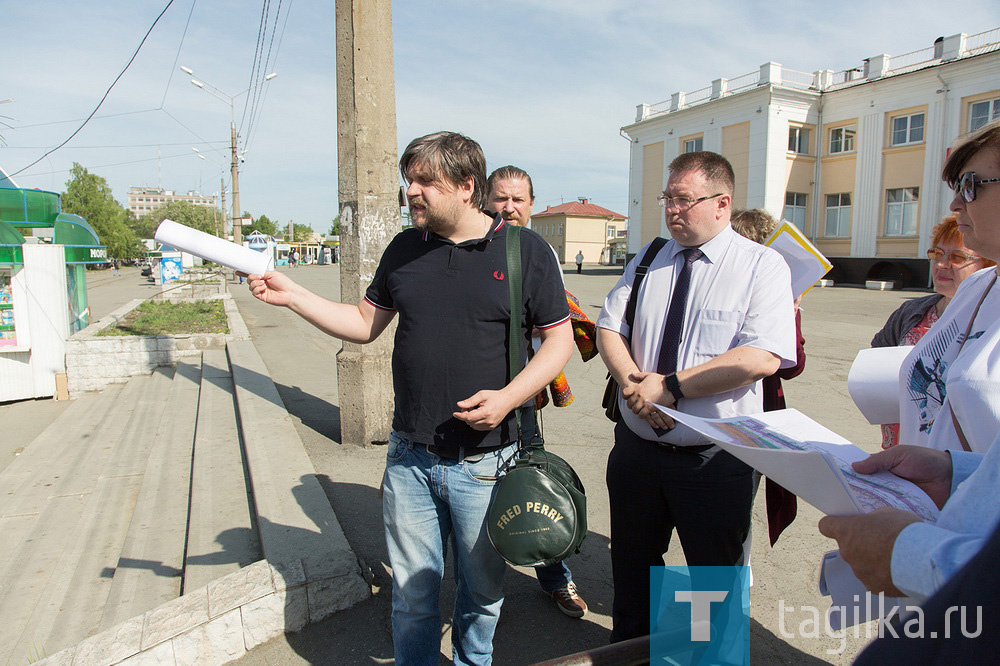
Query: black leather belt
[
  {"x": 451, "y": 453},
  {"x": 684, "y": 449}
]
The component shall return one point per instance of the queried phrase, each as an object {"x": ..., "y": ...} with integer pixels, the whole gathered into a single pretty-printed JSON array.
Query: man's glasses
[
  {"x": 682, "y": 203},
  {"x": 954, "y": 258},
  {"x": 967, "y": 185}
]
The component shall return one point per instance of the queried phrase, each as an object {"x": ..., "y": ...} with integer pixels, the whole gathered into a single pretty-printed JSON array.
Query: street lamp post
[{"x": 235, "y": 159}]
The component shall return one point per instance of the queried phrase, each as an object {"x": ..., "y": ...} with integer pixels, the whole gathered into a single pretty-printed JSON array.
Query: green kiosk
[{"x": 44, "y": 255}]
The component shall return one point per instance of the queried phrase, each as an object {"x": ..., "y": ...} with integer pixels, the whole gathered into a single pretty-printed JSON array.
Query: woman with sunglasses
[
  {"x": 951, "y": 263},
  {"x": 950, "y": 382}
]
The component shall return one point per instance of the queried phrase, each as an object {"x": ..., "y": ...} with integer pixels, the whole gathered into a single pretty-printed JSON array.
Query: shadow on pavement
[{"x": 314, "y": 412}]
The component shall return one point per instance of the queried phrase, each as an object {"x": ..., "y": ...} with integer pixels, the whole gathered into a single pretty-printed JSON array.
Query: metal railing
[
  {"x": 743, "y": 82},
  {"x": 796, "y": 79},
  {"x": 905, "y": 62},
  {"x": 982, "y": 42},
  {"x": 698, "y": 96}
]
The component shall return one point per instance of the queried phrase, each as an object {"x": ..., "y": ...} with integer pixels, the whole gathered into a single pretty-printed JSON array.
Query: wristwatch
[{"x": 674, "y": 386}]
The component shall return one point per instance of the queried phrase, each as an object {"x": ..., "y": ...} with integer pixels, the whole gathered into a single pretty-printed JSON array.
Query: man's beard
[{"x": 433, "y": 220}]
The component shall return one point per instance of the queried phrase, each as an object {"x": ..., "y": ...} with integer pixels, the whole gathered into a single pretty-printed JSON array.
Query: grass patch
[{"x": 165, "y": 318}]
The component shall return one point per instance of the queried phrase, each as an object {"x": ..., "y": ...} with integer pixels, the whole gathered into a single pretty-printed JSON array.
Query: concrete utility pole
[
  {"x": 237, "y": 213},
  {"x": 222, "y": 189},
  {"x": 369, "y": 204}
]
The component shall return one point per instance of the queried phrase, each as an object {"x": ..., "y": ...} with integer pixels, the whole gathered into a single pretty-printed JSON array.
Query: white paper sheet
[
  {"x": 806, "y": 263},
  {"x": 873, "y": 383},
  {"x": 213, "y": 248},
  {"x": 850, "y": 602},
  {"x": 811, "y": 461}
]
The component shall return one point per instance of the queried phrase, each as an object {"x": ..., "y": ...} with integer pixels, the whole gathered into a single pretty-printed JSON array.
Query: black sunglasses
[{"x": 967, "y": 185}]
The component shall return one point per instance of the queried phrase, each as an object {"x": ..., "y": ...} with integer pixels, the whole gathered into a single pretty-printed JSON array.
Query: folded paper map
[{"x": 811, "y": 461}]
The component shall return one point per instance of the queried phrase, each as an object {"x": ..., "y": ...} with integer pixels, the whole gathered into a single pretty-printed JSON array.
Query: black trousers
[{"x": 707, "y": 496}]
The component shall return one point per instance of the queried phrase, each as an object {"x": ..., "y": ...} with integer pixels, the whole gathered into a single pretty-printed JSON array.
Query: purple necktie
[{"x": 667, "y": 362}]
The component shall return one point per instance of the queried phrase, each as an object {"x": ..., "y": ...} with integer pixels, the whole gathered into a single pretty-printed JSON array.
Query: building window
[
  {"x": 901, "y": 211},
  {"x": 795, "y": 209},
  {"x": 842, "y": 140},
  {"x": 560, "y": 229},
  {"x": 981, "y": 113},
  {"x": 838, "y": 215},
  {"x": 907, "y": 129},
  {"x": 611, "y": 231},
  {"x": 694, "y": 145},
  {"x": 798, "y": 140}
]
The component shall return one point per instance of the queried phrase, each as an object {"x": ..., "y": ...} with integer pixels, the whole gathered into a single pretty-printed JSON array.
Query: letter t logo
[{"x": 701, "y": 604}]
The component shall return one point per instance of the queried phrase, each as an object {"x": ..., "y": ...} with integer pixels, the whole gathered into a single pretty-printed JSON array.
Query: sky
[{"x": 545, "y": 85}]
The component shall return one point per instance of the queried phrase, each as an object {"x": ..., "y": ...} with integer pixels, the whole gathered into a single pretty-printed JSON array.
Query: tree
[
  {"x": 197, "y": 217},
  {"x": 335, "y": 227},
  {"x": 301, "y": 232},
  {"x": 89, "y": 196},
  {"x": 262, "y": 224}
]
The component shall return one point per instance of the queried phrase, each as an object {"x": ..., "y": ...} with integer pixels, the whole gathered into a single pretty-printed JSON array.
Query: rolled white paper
[
  {"x": 213, "y": 248},
  {"x": 873, "y": 382}
]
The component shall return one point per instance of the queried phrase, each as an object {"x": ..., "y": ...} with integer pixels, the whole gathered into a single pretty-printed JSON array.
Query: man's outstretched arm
[{"x": 359, "y": 323}]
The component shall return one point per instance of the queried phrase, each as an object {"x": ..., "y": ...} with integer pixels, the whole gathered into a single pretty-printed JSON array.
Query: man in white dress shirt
[{"x": 714, "y": 316}]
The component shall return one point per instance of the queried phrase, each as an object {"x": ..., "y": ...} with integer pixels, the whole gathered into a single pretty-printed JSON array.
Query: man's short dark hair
[
  {"x": 987, "y": 136},
  {"x": 713, "y": 166},
  {"x": 449, "y": 156},
  {"x": 510, "y": 172}
]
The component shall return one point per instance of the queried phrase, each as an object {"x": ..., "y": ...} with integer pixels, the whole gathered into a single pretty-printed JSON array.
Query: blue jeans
[
  {"x": 427, "y": 501},
  {"x": 553, "y": 576}
]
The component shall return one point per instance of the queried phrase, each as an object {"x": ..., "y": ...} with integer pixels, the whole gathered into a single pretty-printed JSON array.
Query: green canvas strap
[
  {"x": 516, "y": 300},
  {"x": 516, "y": 308},
  {"x": 515, "y": 279}
]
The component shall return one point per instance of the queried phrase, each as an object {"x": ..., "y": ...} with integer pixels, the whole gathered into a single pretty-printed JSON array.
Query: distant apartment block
[
  {"x": 144, "y": 200},
  {"x": 852, "y": 157}
]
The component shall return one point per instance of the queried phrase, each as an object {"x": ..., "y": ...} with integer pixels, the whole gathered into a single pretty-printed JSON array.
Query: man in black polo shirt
[{"x": 453, "y": 423}]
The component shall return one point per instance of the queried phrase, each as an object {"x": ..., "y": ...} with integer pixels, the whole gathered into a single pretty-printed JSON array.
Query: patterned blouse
[{"x": 890, "y": 431}]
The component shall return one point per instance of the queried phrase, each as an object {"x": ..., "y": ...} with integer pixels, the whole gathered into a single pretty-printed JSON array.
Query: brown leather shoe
[{"x": 568, "y": 601}]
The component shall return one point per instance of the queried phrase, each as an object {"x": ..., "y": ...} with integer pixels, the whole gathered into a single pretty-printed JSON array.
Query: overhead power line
[
  {"x": 106, "y": 93},
  {"x": 177, "y": 55},
  {"x": 255, "y": 120}
]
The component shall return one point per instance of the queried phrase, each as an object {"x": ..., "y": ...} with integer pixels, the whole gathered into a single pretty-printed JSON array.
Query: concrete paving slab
[
  {"x": 221, "y": 535},
  {"x": 149, "y": 567}
]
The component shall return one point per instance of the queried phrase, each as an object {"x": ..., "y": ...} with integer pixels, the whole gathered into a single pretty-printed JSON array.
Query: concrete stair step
[
  {"x": 295, "y": 519},
  {"x": 221, "y": 532},
  {"x": 151, "y": 561},
  {"x": 70, "y": 468},
  {"x": 58, "y": 447},
  {"x": 66, "y": 559}
]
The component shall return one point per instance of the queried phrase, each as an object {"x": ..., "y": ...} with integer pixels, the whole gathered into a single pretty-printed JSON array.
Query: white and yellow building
[
  {"x": 580, "y": 226},
  {"x": 852, "y": 157}
]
